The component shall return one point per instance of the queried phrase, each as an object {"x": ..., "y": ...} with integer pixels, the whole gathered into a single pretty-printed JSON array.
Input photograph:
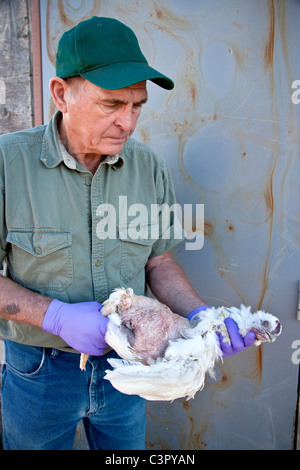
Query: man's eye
[
  {"x": 112, "y": 108},
  {"x": 136, "y": 109},
  {"x": 109, "y": 108}
]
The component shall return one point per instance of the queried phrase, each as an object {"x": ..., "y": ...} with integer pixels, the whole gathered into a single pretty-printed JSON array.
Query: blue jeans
[{"x": 45, "y": 395}]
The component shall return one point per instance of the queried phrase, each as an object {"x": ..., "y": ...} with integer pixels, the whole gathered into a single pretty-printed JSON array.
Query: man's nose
[{"x": 125, "y": 119}]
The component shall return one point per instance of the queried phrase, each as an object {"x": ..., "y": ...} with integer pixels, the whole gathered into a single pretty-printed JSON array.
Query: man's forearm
[
  {"x": 170, "y": 285},
  {"x": 20, "y": 304}
]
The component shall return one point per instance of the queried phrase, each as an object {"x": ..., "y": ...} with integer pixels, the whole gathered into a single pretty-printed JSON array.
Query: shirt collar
[{"x": 54, "y": 152}]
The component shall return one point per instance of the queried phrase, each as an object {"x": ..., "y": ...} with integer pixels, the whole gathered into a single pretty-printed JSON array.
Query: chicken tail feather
[{"x": 164, "y": 380}]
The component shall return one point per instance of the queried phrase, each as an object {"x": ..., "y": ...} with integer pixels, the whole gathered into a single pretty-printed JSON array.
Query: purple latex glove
[
  {"x": 197, "y": 310},
  {"x": 80, "y": 325},
  {"x": 238, "y": 343}
]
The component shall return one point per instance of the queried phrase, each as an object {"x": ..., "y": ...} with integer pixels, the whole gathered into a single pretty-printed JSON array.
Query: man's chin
[{"x": 113, "y": 147}]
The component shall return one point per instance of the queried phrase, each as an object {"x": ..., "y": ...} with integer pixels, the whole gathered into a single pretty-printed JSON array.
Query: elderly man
[{"x": 60, "y": 266}]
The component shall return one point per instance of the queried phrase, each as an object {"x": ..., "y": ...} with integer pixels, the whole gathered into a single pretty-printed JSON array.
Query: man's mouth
[{"x": 118, "y": 138}]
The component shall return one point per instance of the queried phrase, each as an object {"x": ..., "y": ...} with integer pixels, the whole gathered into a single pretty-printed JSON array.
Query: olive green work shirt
[{"x": 72, "y": 235}]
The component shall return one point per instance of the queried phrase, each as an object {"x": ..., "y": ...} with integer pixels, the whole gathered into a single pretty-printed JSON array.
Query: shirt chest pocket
[
  {"x": 41, "y": 260},
  {"x": 136, "y": 248}
]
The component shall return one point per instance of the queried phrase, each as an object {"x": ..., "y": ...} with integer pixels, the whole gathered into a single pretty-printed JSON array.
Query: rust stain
[
  {"x": 269, "y": 196},
  {"x": 238, "y": 26},
  {"x": 259, "y": 359},
  {"x": 196, "y": 440},
  {"x": 230, "y": 226},
  {"x": 169, "y": 20},
  {"x": 186, "y": 405},
  {"x": 269, "y": 47},
  {"x": 222, "y": 405},
  {"x": 269, "y": 199},
  {"x": 70, "y": 15},
  {"x": 253, "y": 367},
  {"x": 193, "y": 433},
  {"x": 209, "y": 229},
  {"x": 239, "y": 56}
]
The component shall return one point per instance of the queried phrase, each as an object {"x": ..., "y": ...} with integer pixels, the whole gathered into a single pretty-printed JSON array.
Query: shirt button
[
  {"x": 38, "y": 250},
  {"x": 88, "y": 182},
  {"x": 97, "y": 263}
]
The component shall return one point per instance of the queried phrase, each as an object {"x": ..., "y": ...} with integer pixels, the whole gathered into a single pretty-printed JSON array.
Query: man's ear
[{"x": 58, "y": 88}]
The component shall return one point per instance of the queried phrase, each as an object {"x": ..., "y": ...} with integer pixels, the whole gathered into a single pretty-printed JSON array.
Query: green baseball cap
[{"x": 107, "y": 53}]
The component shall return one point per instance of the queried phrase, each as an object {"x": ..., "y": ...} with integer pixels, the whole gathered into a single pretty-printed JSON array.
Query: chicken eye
[{"x": 266, "y": 324}]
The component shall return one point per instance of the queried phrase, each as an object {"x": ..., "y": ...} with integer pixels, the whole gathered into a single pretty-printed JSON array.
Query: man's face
[{"x": 100, "y": 121}]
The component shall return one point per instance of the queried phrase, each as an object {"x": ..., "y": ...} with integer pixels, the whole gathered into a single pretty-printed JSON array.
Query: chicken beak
[{"x": 265, "y": 335}]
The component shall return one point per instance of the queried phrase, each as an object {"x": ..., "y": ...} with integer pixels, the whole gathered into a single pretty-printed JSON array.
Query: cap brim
[{"x": 124, "y": 74}]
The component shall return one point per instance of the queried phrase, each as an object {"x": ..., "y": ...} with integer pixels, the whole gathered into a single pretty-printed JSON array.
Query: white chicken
[{"x": 165, "y": 356}]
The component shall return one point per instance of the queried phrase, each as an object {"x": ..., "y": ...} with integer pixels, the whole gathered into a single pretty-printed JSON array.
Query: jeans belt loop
[{"x": 54, "y": 353}]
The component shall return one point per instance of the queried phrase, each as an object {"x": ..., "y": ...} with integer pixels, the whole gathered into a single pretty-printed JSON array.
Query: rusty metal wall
[{"x": 229, "y": 132}]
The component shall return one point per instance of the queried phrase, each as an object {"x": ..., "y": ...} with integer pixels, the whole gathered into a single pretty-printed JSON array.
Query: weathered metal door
[{"x": 229, "y": 132}]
